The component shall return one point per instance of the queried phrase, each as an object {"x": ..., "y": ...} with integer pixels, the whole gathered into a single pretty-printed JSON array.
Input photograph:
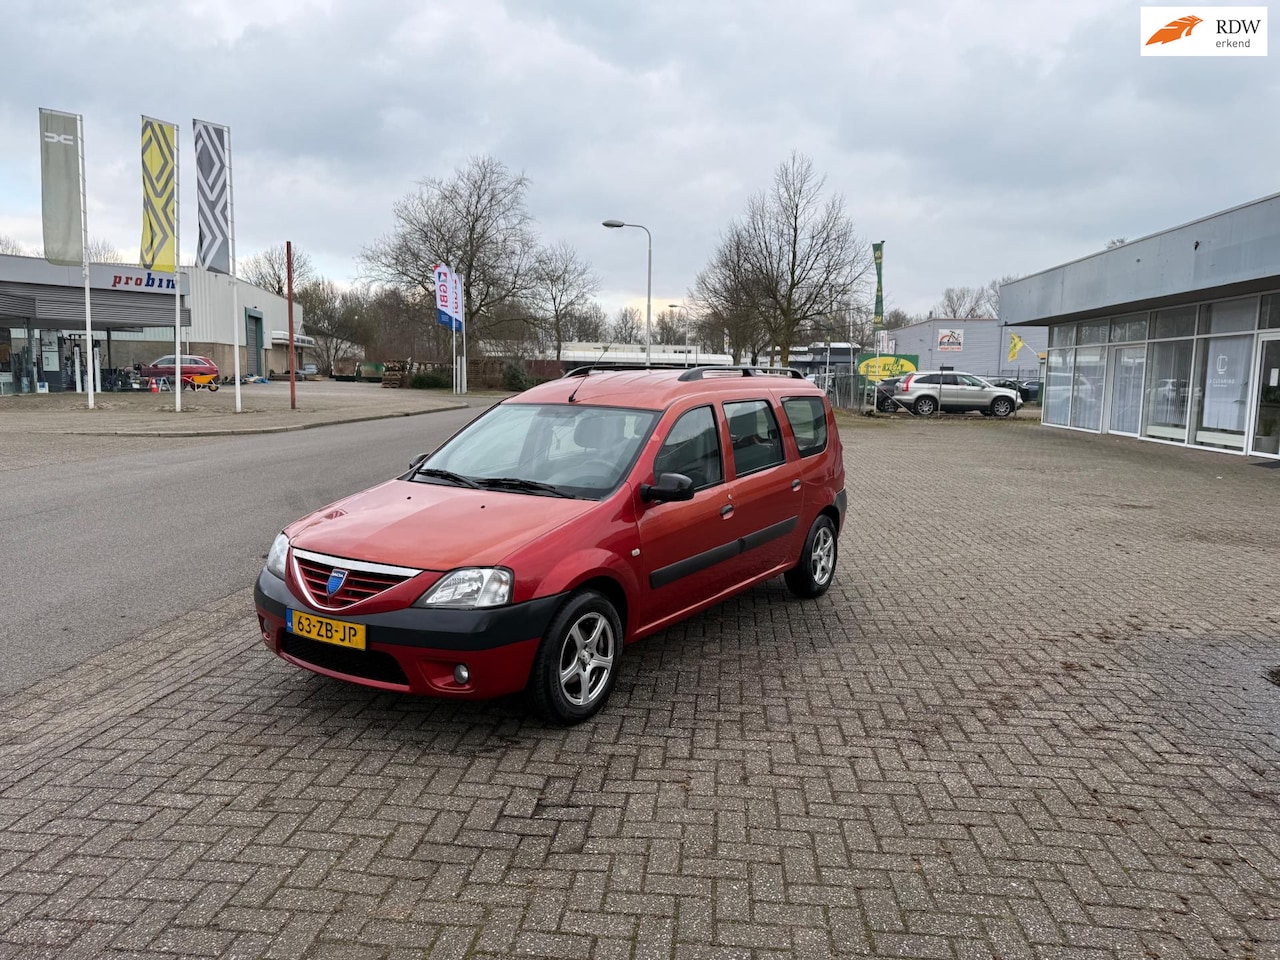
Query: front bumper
[{"x": 415, "y": 650}]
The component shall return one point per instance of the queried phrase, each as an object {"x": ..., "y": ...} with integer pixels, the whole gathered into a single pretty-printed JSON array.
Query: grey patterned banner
[
  {"x": 213, "y": 194},
  {"x": 60, "y": 187}
]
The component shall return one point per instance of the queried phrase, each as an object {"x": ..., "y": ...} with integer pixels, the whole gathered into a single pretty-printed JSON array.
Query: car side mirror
[
  {"x": 670, "y": 487},
  {"x": 413, "y": 464}
]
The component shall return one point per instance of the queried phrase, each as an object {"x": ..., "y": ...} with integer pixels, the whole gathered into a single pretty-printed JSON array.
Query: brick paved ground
[{"x": 1032, "y": 721}]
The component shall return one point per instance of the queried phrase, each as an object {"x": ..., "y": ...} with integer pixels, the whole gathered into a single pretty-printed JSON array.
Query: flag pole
[
  {"x": 462, "y": 319},
  {"x": 293, "y": 386},
  {"x": 237, "y": 319},
  {"x": 177, "y": 279},
  {"x": 84, "y": 261}
]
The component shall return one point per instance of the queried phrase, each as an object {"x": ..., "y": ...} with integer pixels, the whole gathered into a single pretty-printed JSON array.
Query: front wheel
[
  {"x": 926, "y": 407},
  {"x": 817, "y": 567},
  {"x": 577, "y": 661},
  {"x": 1002, "y": 406}
]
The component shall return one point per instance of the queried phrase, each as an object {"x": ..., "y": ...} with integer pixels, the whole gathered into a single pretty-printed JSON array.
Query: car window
[
  {"x": 584, "y": 451},
  {"x": 753, "y": 430},
  {"x": 928, "y": 378},
  {"x": 949, "y": 380},
  {"x": 972, "y": 381},
  {"x": 693, "y": 449},
  {"x": 808, "y": 417},
  {"x": 164, "y": 362}
]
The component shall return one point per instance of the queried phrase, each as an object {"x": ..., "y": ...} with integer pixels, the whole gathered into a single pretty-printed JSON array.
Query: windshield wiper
[
  {"x": 448, "y": 476},
  {"x": 516, "y": 483}
]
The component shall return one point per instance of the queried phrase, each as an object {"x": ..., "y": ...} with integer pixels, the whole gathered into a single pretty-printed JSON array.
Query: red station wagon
[{"x": 559, "y": 526}]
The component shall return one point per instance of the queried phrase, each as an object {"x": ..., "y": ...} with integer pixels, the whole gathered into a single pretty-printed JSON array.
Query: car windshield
[{"x": 544, "y": 449}]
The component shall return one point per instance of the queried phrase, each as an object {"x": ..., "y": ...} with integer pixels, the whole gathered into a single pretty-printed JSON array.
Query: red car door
[
  {"x": 766, "y": 495},
  {"x": 686, "y": 547}
]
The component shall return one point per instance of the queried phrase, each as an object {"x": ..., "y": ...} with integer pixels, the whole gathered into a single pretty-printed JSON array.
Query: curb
[{"x": 249, "y": 431}]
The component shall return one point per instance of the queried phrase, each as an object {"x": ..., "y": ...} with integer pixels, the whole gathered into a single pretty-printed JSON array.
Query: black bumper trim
[{"x": 419, "y": 627}]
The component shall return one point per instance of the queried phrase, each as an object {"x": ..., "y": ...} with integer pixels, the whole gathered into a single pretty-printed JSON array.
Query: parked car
[
  {"x": 192, "y": 368},
  {"x": 1029, "y": 390},
  {"x": 559, "y": 526},
  {"x": 886, "y": 390},
  {"x": 928, "y": 391},
  {"x": 1004, "y": 383}
]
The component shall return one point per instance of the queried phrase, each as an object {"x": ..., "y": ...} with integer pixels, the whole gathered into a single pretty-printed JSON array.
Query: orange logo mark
[{"x": 1176, "y": 30}]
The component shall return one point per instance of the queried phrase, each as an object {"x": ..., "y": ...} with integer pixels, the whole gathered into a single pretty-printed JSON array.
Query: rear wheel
[
  {"x": 577, "y": 661},
  {"x": 1002, "y": 406},
  {"x": 886, "y": 405},
  {"x": 925, "y": 407},
  {"x": 817, "y": 567}
]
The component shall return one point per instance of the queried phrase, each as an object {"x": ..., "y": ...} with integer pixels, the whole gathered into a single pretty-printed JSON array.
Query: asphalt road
[{"x": 95, "y": 552}]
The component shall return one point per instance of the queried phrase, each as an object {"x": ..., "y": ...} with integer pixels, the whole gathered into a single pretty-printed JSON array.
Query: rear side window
[
  {"x": 808, "y": 416},
  {"x": 928, "y": 378},
  {"x": 757, "y": 441},
  {"x": 692, "y": 448}
]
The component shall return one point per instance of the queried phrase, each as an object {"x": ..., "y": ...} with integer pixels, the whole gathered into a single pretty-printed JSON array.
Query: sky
[{"x": 977, "y": 138}]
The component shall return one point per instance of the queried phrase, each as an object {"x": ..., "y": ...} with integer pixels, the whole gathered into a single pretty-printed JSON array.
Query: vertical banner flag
[
  {"x": 60, "y": 187},
  {"x": 1016, "y": 343},
  {"x": 877, "y": 251},
  {"x": 455, "y": 281},
  {"x": 446, "y": 307},
  {"x": 213, "y": 196},
  {"x": 159, "y": 195}
]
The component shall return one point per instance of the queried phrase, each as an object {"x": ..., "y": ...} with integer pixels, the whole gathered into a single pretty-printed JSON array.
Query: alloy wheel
[
  {"x": 823, "y": 556},
  {"x": 586, "y": 659}
]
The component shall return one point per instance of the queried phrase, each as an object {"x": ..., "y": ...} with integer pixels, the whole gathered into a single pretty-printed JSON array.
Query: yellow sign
[
  {"x": 878, "y": 368},
  {"x": 159, "y": 195}
]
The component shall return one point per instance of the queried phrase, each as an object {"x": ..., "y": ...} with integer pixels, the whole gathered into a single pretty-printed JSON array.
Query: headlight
[
  {"x": 470, "y": 587},
  {"x": 276, "y": 556}
]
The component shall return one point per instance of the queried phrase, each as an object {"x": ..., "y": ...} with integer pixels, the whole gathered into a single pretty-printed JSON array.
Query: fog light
[{"x": 461, "y": 675}]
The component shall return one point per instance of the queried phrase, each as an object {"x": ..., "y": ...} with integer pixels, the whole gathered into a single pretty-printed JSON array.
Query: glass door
[
  {"x": 1128, "y": 367},
  {"x": 1266, "y": 415}
]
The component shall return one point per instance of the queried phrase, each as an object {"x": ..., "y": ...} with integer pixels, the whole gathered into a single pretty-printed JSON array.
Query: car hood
[{"x": 432, "y": 526}]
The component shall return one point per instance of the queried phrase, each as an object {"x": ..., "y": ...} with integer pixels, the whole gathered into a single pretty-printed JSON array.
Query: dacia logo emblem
[{"x": 336, "y": 579}]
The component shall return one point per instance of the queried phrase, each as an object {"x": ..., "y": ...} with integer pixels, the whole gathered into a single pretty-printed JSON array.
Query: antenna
[{"x": 587, "y": 372}]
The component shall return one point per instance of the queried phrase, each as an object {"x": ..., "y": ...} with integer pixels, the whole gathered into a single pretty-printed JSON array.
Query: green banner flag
[{"x": 877, "y": 250}]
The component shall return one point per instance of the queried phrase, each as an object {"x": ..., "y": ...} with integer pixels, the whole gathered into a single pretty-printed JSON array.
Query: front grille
[
  {"x": 359, "y": 585},
  {"x": 366, "y": 664}
]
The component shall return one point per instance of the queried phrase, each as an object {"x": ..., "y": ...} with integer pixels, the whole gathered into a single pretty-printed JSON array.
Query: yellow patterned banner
[{"x": 159, "y": 195}]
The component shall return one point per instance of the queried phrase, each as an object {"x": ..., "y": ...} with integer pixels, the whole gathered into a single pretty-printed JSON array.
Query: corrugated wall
[
  {"x": 213, "y": 309},
  {"x": 984, "y": 351}
]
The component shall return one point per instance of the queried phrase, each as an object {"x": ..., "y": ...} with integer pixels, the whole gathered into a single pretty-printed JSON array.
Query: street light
[
  {"x": 681, "y": 306},
  {"x": 648, "y": 308}
]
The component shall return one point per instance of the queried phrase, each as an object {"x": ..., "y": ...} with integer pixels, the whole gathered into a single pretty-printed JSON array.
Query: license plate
[{"x": 337, "y": 632}]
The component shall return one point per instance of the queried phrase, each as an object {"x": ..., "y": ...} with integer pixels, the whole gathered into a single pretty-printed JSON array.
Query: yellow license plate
[{"x": 337, "y": 632}]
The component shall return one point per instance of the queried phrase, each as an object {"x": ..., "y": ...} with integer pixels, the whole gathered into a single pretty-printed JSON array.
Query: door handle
[
  {"x": 726, "y": 511},
  {"x": 795, "y": 485}
]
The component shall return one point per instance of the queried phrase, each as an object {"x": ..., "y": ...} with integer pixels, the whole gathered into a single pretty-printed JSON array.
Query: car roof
[{"x": 657, "y": 389}]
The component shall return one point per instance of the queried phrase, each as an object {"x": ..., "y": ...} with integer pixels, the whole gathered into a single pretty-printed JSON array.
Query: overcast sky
[{"x": 978, "y": 138}]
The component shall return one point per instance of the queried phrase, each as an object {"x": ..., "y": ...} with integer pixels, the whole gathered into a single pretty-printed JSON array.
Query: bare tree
[
  {"x": 727, "y": 295},
  {"x": 669, "y": 327},
  {"x": 962, "y": 303},
  {"x": 333, "y": 319},
  {"x": 627, "y": 327},
  {"x": 101, "y": 250},
  {"x": 897, "y": 318},
  {"x": 269, "y": 270},
  {"x": 802, "y": 252},
  {"x": 11, "y": 247},
  {"x": 589, "y": 323},
  {"x": 564, "y": 286},
  {"x": 477, "y": 223}
]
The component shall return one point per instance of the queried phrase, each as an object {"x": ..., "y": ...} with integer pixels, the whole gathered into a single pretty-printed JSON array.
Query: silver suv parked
[{"x": 926, "y": 392}]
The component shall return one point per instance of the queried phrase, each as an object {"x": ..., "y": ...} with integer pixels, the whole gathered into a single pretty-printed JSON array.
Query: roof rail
[
  {"x": 611, "y": 367},
  {"x": 699, "y": 373}
]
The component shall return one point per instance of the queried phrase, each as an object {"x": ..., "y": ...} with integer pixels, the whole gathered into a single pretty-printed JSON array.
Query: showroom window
[
  {"x": 1132, "y": 327},
  {"x": 1093, "y": 332},
  {"x": 1168, "y": 389},
  {"x": 1062, "y": 335},
  {"x": 1178, "y": 322},
  {"x": 1087, "y": 381},
  {"x": 1229, "y": 316},
  {"x": 1221, "y": 397},
  {"x": 1270, "y": 316},
  {"x": 1057, "y": 387}
]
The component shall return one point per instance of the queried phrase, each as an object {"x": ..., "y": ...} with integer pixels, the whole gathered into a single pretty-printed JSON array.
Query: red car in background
[
  {"x": 556, "y": 528},
  {"x": 196, "y": 371}
]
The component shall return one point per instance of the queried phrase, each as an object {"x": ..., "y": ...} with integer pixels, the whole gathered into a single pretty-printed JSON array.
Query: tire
[
  {"x": 213, "y": 388},
  {"x": 1001, "y": 407},
  {"x": 812, "y": 576},
  {"x": 925, "y": 407},
  {"x": 886, "y": 405},
  {"x": 586, "y": 622}
]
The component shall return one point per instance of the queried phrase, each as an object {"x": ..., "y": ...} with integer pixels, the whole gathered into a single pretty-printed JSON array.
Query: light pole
[
  {"x": 681, "y": 306},
  {"x": 648, "y": 306}
]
